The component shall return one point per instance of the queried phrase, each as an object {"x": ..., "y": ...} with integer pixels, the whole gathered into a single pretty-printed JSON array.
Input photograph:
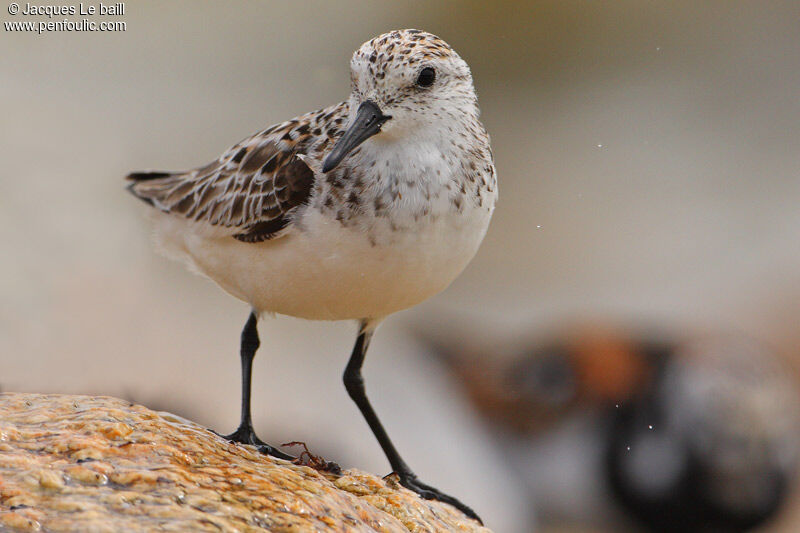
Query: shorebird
[
  {"x": 351, "y": 212},
  {"x": 680, "y": 434}
]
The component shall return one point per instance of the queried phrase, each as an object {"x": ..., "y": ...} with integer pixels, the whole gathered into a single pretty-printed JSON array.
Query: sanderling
[{"x": 354, "y": 211}]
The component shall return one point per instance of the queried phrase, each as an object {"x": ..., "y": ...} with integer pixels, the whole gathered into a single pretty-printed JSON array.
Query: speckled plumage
[
  {"x": 426, "y": 180},
  {"x": 354, "y": 211}
]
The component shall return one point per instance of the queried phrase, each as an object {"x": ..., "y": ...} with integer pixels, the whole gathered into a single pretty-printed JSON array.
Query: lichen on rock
[{"x": 96, "y": 464}]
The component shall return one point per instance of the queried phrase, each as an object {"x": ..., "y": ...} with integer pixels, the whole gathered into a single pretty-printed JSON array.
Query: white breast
[
  {"x": 364, "y": 266},
  {"x": 329, "y": 272}
]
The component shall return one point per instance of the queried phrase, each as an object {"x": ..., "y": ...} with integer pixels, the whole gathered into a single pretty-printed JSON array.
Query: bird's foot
[
  {"x": 245, "y": 434},
  {"x": 411, "y": 482}
]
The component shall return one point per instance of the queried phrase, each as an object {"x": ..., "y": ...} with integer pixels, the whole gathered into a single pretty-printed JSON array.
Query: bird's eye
[{"x": 426, "y": 77}]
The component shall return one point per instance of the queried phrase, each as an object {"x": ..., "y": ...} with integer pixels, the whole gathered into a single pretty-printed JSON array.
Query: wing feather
[{"x": 254, "y": 187}]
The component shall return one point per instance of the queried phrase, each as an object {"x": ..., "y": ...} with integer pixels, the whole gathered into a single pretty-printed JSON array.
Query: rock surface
[{"x": 96, "y": 464}]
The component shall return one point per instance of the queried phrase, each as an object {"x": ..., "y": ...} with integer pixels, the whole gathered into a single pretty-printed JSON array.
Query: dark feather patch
[
  {"x": 253, "y": 188},
  {"x": 144, "y": 176},
  {"x": 262, "y": 231}
]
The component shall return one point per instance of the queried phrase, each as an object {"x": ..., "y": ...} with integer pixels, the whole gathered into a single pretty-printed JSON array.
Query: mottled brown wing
[{"x": 252, "y": 188}]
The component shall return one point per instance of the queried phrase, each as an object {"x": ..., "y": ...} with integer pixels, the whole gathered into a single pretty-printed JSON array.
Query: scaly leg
[
  {"x": 245, "y": 434},
  {"x": 354, "y": 383}
]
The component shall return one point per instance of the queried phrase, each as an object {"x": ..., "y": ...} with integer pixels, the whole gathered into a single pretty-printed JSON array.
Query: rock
[{"x": 96, "y": 464}]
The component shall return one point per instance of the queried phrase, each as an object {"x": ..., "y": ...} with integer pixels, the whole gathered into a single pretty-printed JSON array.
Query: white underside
[{"x": 327, "y": 271}]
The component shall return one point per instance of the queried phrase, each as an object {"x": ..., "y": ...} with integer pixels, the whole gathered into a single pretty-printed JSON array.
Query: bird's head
[{"x": 404, "y": 83}]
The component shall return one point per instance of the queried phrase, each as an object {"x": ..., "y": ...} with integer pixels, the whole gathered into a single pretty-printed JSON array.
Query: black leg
[
  {"x": 245, "y": 434},
  {"x": 354, "y": 383}
]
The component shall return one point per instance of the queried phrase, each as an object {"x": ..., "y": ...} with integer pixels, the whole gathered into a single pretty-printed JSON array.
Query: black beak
[{"x": 368, "y": 122}]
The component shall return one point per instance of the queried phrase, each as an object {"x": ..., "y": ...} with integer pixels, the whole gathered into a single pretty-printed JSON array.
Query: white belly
[{"x": 329, "y": 272}]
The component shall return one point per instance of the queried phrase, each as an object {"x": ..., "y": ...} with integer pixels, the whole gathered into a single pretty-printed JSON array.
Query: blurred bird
[
  {"x": 692, "y": 436},
  {"x": 352, "y": 212}
]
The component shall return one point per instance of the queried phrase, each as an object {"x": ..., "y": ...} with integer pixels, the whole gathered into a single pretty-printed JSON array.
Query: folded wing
[{"x": 253, "y": 188}]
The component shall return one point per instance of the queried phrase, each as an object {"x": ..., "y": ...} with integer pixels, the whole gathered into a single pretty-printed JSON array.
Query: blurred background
[{"x": 642, "y": 268}]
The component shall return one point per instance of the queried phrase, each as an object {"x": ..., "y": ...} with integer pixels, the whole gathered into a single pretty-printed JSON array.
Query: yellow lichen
[{"x": 78, "y": 463}]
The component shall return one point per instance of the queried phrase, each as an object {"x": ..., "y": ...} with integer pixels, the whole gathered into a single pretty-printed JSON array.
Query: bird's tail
[{"x": 152, "y": 187}]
